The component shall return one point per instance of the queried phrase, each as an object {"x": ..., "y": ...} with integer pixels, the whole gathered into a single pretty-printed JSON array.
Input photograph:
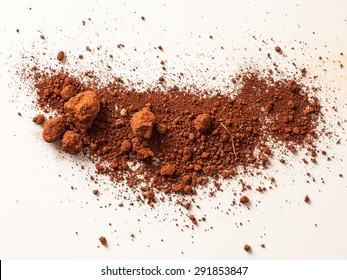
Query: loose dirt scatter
[
  {"x": 181, "y": 138},
  {"x": 202, "y": 123}
]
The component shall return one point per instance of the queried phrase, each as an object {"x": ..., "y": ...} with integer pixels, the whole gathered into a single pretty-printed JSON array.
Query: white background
[{"x": 40, "y": 213}]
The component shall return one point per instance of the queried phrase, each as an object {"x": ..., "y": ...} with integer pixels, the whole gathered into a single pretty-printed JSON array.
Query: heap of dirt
[{"x": 180, "y": 138}]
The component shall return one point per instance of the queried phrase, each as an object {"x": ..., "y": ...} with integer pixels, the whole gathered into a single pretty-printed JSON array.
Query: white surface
[{"x": 39, "y": 213}]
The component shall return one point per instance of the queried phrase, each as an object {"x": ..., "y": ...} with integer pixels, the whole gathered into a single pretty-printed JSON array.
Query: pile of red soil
[{"x": 180, "y": 137}]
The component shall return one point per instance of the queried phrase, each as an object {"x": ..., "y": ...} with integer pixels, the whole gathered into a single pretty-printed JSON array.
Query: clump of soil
[
  {"x": 181, "y": 138},
  {"x": 82, "y": 109},
  {"x": 244, "y": 199},
  {"x": 142, "y": 123},
  {"x": 247, "y": 248},
  {"x": 53, "y": 129},
  {"x": 39, "y": 119},
  {"x": 68, "y": 92},
  {"x": 202, "y": 123},
  {"x": 60, "y": 56},
  {"x": 103, "y": 240},
  {"x": 71, "y": 142}
]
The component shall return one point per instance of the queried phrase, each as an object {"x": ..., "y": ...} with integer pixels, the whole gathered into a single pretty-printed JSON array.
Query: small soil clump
[
  {"x": 68, "y": 92},
  {"x": 39, "y": 119},
  {"x": 193, "y": 219},
  {"x": 60, "y": 56},
  {"x": 71, "y": 142},
  {"x": 83, "y": 109},
  {"x": 244, "y": 199},
  {"x": 126, "y": 146},
  {"x": 167, "y": 170},
  {"x": 278, "y": 49},
  {"x": 202, "y": 123},
  {"x": 247, "y": 248},
  {"x": 103, "y": 240},
  {"x": 53, "y": 129},
  {"x": 142, "y": 123}
]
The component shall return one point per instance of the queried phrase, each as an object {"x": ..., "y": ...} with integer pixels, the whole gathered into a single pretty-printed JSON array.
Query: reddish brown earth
[{"x": 181, "y": 137}]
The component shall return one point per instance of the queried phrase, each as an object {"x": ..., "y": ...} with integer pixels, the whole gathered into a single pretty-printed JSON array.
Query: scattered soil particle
[
  {"x": 303, "y": 72},
  {"x": 39, "y": 119},
  {"x": 247, "y": 248},
  {"x": 244, "y": 199},
  {"x": 167, "y": 170},
  {"x": 126, "y": 146},
  {"x": 278, "y": 49},
  {"x": 161, "y": 128},
  {"x": 123, "y": 112},
  {"x": 103, "y": 240},
  {"x": 193, "y": 219},
  {"x": 293, "y": 86},
  {"x": 60, "y": 56}
]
